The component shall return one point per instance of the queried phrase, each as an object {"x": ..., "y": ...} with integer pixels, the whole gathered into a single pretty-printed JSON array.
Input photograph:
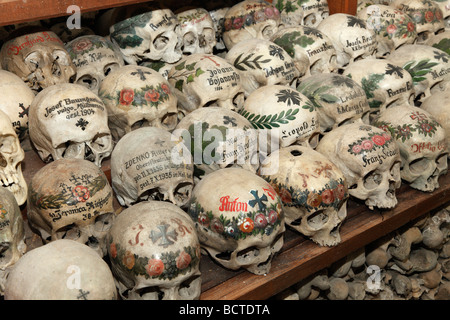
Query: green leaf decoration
[
  {"x": 288, "y": 40},
  {"x": 269, "y": 121},
  {"x": 129, "y": 41},
  {"x": 443, "y": 45},
  {"x": 419, "y": 69},
  {"x": 316, "y": 93},
  {"x": 250, "y": 64}
]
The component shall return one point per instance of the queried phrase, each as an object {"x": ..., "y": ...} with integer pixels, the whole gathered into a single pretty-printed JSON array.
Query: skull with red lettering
[{"x": 239, "y": 219}]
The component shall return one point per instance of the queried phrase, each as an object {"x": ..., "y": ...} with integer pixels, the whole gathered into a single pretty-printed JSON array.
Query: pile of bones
[{"x": 220, "y": 127}]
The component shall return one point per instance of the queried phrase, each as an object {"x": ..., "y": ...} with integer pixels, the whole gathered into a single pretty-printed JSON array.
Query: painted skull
[
  {"x": 95, "y": 57},
  {"x": 313, "y": 191},
  {"x": 69, "y": 121},
  {"x": 71, "y": 199},
  {"x": 369, "y": 158},
  {"x": 239, "y": 219},
  {"x": 155, "y": 253},
  {"x": 39, "y": 59},
  {"x": 144, "y": 165},
  {"x": 422, "y": 143}
]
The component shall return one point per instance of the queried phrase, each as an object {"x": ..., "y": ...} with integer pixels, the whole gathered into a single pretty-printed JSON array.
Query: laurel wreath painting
[
  {"x": 316, "y": 93},
  {"x": 186, "y": 71}
]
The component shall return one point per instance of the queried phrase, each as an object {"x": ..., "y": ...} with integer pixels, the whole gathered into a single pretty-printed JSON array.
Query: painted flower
[
  {"x": 426, "y": 127},
  {"x": 438, "y": 15},
  {"x": 247, "y": 225},
  {"x": 411, "y": 26},
  {"x": 386, "y": 136},
  {"x": 429, "y": 16},
  {"x": 285, "y": 196},
  {"x": 378, "y": 140},
  {"x": 154, "y": 267},
  {"x": 217, "y": 226},
  {"x": 126, "y": 96},
  {"x": 3, "y": 212},
  {"x": 128, "y": 260},
  {"x": 152, "y": 95},
  {"x": 260, "y": 16},
  {"x": 260, "y": 221},
  {"x": 82, "y": 45},
  {"x": 269, "y": 12},
  {"x": 367, "y": 144},
  {"x": 248, "y": 20},
  {"x": 327, "y": 196},
  {"x": 340, "y": 191},
  {"x": 238, "y": 22},
  {"x": 356, "y": 148},
  {"x": 417, "y": 16},
  {"x": 183, "y": 260},
  {"x": 273, "y": 217},
  {"x": 203, "y": 219},
  {"x": 227, "y": 24},
  {"x": 390, "y": 29},
  {"x": 81, "y": 193},
  {"x": 165, "y": 88},
  {"x": 113, "y": 250},
  {"x": 314, "y": 199},
  {"x": 230, "y": 230}
]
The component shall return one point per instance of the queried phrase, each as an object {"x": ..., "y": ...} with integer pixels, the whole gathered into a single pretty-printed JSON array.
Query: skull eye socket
[
  {"x": 160, "y": 42},
  {"x": 268, "y": 32},
  {"x": 372, "y": 180},
  {"x": 33, "y": 60},
  {"x": 87, "y": 81},
  {"x": 189, "y": 39},
  {"x": 419, "y": 166},
  {"x": 209, "y": 34},
  {"x": 61, "y": 57},
  {"x": 8, "y": 145},
  {"x": 169, "y": 121},
  {"x": 110, "y": 67},
  {"x": 317, "y": 219}
]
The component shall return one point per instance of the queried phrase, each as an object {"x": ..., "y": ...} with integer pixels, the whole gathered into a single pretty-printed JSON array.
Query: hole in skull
[
  {"x": 109, "y": 68},
  {"x": 103, "y": 222},
  {"x": 169, "y": 121},
  {"x": 419, "y": 166},
  {"x": 372, "y": 180},
  {"x": 70, "y": 232},
  {"x": 296, "y": 153},
  {"x": 87, "y": 81},
  {"x": 297, "y": 221},
  {"x": 182, "y": 192},
  {"x": 56, "y": 69},
  {"x": 3, "y": 162},
  {"x": 92, "y": 242},
  {"x": 247, "y": 255},
  {"x": 353, "y": 186},
  {"x": 226, "y": 255},
  {"x": 160, "y": 42},
  {"x": 151, "y": 194},
  {"x": 317, "y": 219},
  {"x": 190, "y": 287},
  {"x": 139, "y": 124},
  {"x": 150, "y": 293}
]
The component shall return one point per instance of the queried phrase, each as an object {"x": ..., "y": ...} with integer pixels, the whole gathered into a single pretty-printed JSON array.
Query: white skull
[
  {"x": 392, "y": 27},
  {"x": 71, "y": 199},
  {"x": 429, "y": 68},
  {"x": 250, "y": 19},
  {"x": 314, "y": 11},
  {"x": 148, "y": 36},
  {"x": 438, "y": 106},
  {"x": 426, "y": 14},
  {"x": 239, "y": 219},
  {"x": 69, "y": 121},
  {"x": 218, "y": 17},
  {"x": 440, "y": 41},
  {"x": 350, "y": 36},
  {"x": 61, "y": 270},
  {"x": 155, "y": 253},
  {"x": 338, "y": 99},
  {"x": 262, "y": 63},
  {"x": 302, "y": 41},
  {"x": 385, "y": 84},
  {"x": 444, "y": 5},
  {"x": 291, "y": 13},
  {"x": 11, "y": 157},
  {"x": 218, "y": 138},
  {"x": 422, "y": 143},
  {"x": 313, "y": 191},
  {"x": 202, "y": 80},
  {"x": 95, "y": 57},
  {"x": 144, "y": 166},
  {"x": 286, "y": 113},
  {"x": 137, "y": 96},
  {"x": 197, "y": 31},
  {"x": 369, "y": 158},
  {"x": 39, "y": 59},
  {"x": 12, "y": 235},
  {"x": 15, "y": 101}
]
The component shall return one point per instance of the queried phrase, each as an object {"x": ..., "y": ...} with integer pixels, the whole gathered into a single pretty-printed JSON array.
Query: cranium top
[
  {"x": 250, "y": 19},
  {"x": 39, "y": 59}
]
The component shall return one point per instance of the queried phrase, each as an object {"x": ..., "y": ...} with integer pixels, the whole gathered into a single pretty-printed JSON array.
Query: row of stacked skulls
[{"x": 220, "y": 125}]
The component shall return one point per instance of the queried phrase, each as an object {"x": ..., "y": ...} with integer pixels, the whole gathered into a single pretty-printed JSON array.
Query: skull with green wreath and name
[{"x": 239, "y": 219}]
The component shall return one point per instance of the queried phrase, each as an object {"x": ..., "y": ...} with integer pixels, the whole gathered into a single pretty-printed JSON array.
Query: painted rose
[
  {"x": 81, "y": 193},
  {"x": 367, "y": 144},
  {"x": 340, "y": 191},
  {"x": 356, "y": 148},
  {"x": 438, "y": 15},
  {"x": 386, "y": 136},
  {"x": 390, "y": 29},
  {"x": 113, "y": 250},
  {"x": 203, "y": 219},
  {"x": 128, "y": 260},
  {"x": 273, "y": 217},
  {"x": 260, "y": 221},
  {"x": 238, "y": 22},
  {"x": 378, "y": 140},
  {"x": 81, "y": 45},
  {"x": 126, "y": 96},
  {"x": 217, "y": 226},
  {"x": 260, "y": 16},
  {"x": 411, "y": 26},
  {"x": 429, "y": 16},
  {"x": 314, "y": 199},
  {"x": 247, "y": 225},
  {"x": 327, "y": 196},
  {"x": 183, "y": 260},
  {"x": 152, "y": 95},
  {"x": 269, "y": 12},
  {"x": 285, "y": 196},
  {"x": 165, "y": 88},
  {"x": 154, "y": 267}
]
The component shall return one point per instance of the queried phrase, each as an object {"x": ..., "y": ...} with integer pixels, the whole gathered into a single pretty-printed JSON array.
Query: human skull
[
  {"x": 202, "y": 80},
  {"x": 291, "y": 13},
  {"x": 61, "y": 270},
  {"x": 39, "y": 59},
  {"x": 422, "y": 143},
  {"x": 314, "y": 11},
  {"x": 148, "y": 36},
  {"x": 250, "y": 19},
  {"x": 218, "y": 17},
  {"x": 217, "y": 138},
  {"x": 12, "y": 235},
  {"x": 15, "y": 101},
  {"x": 438, "y": 106},
  {"x": 11, "y": 157},
  {"x": 239, "y": 219},
  {"x": 385, "y": 84},
  {"x": 313, "y": 191},
  {"x": 338, "y": 99},
  {"x": 392, "y": 27},
  {"x": 302, "y": 41},
  {"x": 440, "y": 41},
  {"x": 429, "y": 68},
  {"x": 197, "y": 31},
  {"x": 71, "y": 199},
  {"x": 286, "y": 113},
  {"x": 95, "y": 57},
  {"x": 350, "y": 36},
  {"x": 69, "y": 121},
  {"x": 262, "y": 63},
  {"x": 138, "y": 96},
  {"x": 155, "y": 253},
  {"x": 369, "y": 158},
  {"x": 444, "y": 5},
  {"x": 144, "y": 165},
  {"x": 426, "y": 14}
]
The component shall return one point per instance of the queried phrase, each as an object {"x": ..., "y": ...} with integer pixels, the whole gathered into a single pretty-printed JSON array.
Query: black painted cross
[
  {"x": 83, "y": 295},
  {"x": 24, "y": 111},
  {"x": 165, "y": 236},
  {"x": 141, "y": 74},
  {"x": 258, "y": 200}
]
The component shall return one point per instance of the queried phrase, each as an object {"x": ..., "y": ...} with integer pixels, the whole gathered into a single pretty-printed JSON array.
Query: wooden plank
[
  {"x": 16, "y": 11},
  {"x": 342, "y": 6},
  {"x": 304, "y": 259}
]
